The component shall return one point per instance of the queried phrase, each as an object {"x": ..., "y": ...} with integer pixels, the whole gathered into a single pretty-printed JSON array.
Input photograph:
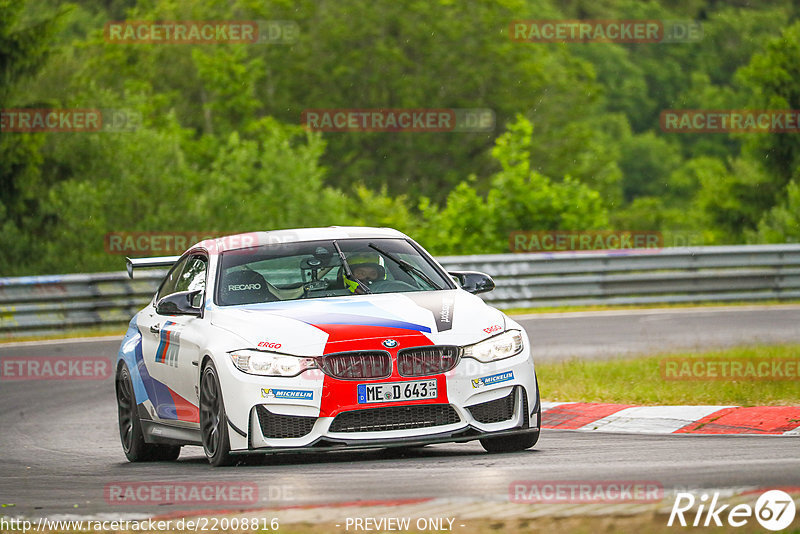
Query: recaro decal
[{"x": 243, "y": 287}]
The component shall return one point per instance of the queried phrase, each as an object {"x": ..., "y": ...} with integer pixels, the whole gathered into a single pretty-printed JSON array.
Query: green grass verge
[{"x": 640, "y": 381}]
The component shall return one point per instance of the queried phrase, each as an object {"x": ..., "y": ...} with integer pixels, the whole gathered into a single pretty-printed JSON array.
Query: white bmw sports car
[{"x": 320, "y": 339}]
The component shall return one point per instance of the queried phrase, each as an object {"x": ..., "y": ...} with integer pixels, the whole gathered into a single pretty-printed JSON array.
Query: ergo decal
[
  {"x": 268, "y": 345},
  {"x": 493, "y": 328}
]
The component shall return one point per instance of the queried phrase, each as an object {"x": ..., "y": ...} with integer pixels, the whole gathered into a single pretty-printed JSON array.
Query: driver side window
[
  {"x": 188, "y": 275},
  {"x": 193, "y": 276},
  {"x": 168, "y": 285}
]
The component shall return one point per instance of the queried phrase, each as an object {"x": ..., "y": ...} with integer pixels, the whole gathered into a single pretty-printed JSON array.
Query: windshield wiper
[
  {"x": 407, "y": 267},
  {"x": 348, "y": 271}
]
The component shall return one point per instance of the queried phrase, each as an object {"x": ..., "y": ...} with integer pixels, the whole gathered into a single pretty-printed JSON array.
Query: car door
[{"x": 170, "y": 345}]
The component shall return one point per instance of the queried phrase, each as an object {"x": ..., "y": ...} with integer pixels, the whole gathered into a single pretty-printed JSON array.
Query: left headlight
[
  {"x": 256, "y": 362},
  {"x": 501, "y": 346}
]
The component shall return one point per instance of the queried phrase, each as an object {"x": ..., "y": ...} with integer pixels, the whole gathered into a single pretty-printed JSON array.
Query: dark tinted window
[{"x": 291, "y": 271}]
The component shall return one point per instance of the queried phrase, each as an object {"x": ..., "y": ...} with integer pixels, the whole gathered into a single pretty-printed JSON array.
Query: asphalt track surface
[{"x": 59, "y": 445}]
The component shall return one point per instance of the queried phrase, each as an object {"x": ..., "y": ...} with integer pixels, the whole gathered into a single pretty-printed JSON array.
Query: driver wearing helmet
[{"x": 366, "y": 269}]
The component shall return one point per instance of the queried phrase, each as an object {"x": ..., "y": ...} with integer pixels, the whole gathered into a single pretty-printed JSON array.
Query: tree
[
  {"x": 24, "y": 48},
  {"x": 519, "y": 199},
  {"x": 772, "y": 77}
]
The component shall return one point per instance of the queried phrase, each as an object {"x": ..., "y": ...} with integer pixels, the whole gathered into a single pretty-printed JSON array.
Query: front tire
[
  {"x": 130, "y": 427},
  {"x": 213, "y": 423},
  {"x": 516, "y": 443}
]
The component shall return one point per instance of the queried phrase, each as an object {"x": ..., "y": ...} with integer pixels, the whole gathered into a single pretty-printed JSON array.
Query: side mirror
[
  {"x": 473, "y": 281},
  {"x": 180, "y": 303}
]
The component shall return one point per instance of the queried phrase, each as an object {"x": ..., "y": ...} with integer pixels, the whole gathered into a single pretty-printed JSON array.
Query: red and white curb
[{"x": 626, "y": 418}]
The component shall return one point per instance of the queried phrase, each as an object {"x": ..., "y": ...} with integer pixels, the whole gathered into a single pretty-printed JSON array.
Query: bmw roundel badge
[{"x": 390, "y": 343}]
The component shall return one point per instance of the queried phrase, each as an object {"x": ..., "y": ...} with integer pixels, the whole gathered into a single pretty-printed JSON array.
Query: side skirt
[{"x": 164, "y": 434}]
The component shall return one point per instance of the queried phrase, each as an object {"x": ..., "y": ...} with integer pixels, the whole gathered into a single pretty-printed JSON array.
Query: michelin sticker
[
  {"x": 272, "y": 393},
  {"x": 491, "y": 380}
]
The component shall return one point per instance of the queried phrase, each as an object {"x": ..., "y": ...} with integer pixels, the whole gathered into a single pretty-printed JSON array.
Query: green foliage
[
  {"x": 221, "y": 147},
  {"x": 519, "y": 199},
  {"x": 772, "y": 77},
  {"x": 732, "y": 199},
  {"x": 24, "y": 48},
  {"x": 271, "y": 181},
  {"x": 782, "y": 223},
  {"x": 647, "y": 161}
]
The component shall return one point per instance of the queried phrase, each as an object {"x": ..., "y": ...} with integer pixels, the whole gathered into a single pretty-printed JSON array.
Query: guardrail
[{"x": 43, "y": 304}]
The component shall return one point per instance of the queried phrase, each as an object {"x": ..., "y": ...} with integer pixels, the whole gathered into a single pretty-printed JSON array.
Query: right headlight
[
  {"x": 256, "y": 362},
  {"x": 495, "y": 348}
]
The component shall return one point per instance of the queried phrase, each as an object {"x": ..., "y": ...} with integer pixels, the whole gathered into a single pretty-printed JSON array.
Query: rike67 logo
[{"x": 774, "y": 510}]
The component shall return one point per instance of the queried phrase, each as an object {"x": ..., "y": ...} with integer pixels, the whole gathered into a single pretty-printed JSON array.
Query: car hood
[{"x": 320, "y": 326}]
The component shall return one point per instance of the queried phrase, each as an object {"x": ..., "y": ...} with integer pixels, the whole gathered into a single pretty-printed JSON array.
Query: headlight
[
  {"x": 498, "y": 347},
  {"x": 257, "y": 362}
]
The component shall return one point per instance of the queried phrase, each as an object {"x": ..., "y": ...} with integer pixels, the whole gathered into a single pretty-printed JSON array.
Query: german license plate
[{"x": 397, "y": 391}]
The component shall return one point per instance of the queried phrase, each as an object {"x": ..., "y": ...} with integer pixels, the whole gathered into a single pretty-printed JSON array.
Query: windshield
[{"x": 315, "y": 269}]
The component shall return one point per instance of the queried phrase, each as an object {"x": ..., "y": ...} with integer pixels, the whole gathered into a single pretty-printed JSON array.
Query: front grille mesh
[
  {"x": 494, "y": 411},
  {"x": 423, "y": 361},
  {"x": 357, "y": 365},
  {"x": 283, "y": 426},
  {"x": 395, "y": 418}
]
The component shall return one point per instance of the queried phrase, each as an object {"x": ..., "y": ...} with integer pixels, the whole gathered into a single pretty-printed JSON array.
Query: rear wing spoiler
[{"x": 141, "y": 263}]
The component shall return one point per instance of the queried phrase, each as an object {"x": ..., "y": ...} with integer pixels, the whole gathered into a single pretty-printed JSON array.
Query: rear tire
[
  {"x": 213, "y": 422},
  {"x": 134, "y": 446}
]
